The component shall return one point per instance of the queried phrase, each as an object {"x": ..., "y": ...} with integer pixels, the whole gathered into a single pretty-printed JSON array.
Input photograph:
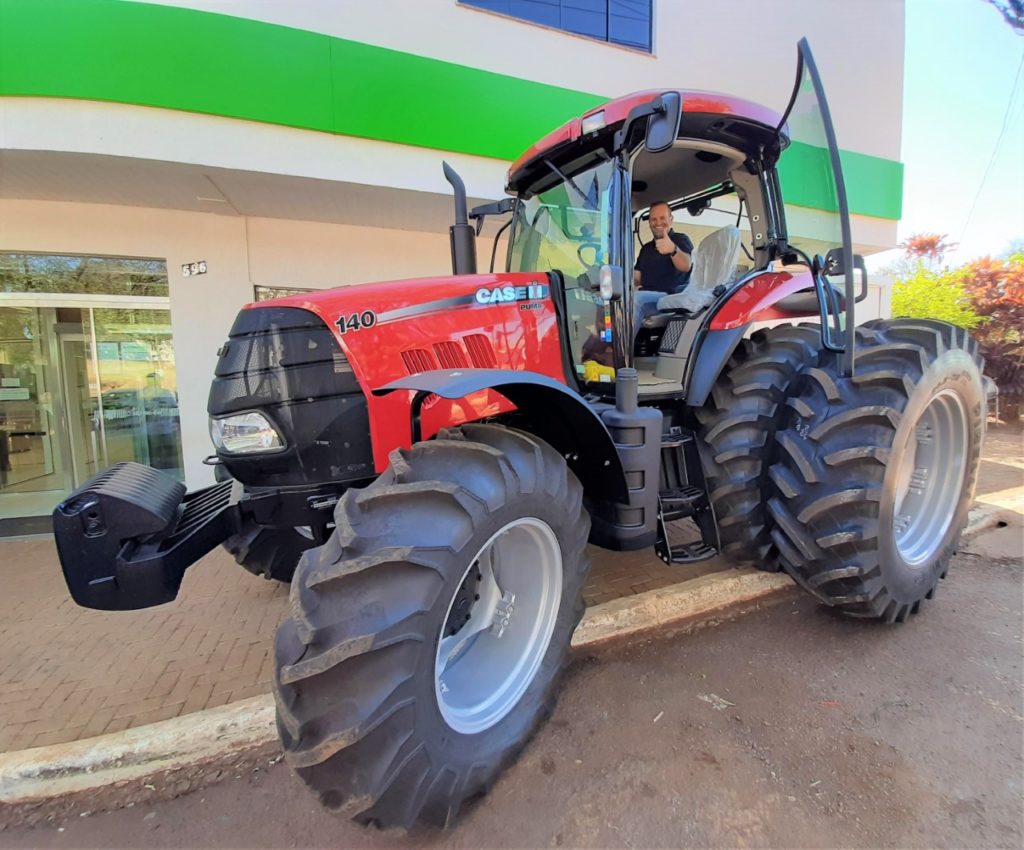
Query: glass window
[
  {"x": 626, "y": 22},
  {"x": 81, "y": 389},
  {"x": 82, "y": 275},
  {"x": 567, "y": 228}
]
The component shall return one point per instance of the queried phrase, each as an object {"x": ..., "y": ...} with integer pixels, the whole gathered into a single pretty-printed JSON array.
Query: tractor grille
[
  {"x": 286, "y": 363},
  {"x": 480, "y": 352},
  {"x": 417, "y": 360},
  {"x": 450, "y": 355}
]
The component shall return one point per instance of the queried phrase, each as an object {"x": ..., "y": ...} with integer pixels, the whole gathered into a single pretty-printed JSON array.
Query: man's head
[{"x": 660, "y": 220}]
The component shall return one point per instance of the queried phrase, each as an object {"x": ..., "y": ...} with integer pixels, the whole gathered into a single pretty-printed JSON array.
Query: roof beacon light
[{"x": 592, "y": 123}]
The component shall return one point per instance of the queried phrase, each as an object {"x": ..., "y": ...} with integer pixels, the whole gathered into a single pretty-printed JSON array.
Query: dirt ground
[{"x": 789, "y": 727}]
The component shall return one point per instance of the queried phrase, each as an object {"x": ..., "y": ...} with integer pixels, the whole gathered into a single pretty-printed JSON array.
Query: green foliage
[{"x": 926, "y": 294}]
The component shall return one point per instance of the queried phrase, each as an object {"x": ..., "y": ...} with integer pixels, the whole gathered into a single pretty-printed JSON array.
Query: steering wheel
[{"x": 597, "y": 253}]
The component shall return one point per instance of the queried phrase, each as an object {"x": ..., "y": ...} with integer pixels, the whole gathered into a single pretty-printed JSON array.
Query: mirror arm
[
  {"x": 643, "y": 110},
  {"x": 478, "y": 214}
]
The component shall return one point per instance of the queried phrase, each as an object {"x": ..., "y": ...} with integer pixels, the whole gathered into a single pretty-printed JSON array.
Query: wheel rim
[
  {"x": 498, "y": 625},
  {"x": 930, "y": 478}
]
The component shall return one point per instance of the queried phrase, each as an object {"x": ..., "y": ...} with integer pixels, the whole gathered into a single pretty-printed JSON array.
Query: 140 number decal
[{"x": 357, "y": 321}]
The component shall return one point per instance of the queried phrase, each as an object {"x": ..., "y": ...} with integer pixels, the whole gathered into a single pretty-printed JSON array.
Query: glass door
[
  {"x": 33, "y": 471},
  {"x": 82, "y": 388},
  {"x": 138, "y": 402}
]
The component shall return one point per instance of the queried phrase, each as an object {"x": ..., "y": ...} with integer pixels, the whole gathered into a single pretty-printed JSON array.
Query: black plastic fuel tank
[{"x": 636, "y": 432}]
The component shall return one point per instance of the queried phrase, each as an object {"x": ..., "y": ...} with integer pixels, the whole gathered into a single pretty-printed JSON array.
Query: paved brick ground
[{"x": 68, "y": 673}]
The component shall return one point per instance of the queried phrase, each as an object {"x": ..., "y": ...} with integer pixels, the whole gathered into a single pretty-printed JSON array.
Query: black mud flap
[{"x": 126, "y": 537}]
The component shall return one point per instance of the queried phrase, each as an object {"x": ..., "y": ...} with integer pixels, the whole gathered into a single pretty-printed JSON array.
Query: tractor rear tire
[
  {"x": 384, "y": 711},
  {"x": 737, "y": 434},
  {"x": 876, "y": 473}
]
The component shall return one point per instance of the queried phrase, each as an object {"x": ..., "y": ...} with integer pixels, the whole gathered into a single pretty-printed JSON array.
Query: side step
[
  {"x": 681, "y": 502},
  {"x": 684, "y": 495}
]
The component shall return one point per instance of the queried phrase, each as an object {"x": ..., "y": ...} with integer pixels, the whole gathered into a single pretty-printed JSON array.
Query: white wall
[
  {"x": 117, "y": 129},
  {"x": 240, "y": 253},
  {"x": 741, "y": 47},
  {"x": 319, "y": 256}
]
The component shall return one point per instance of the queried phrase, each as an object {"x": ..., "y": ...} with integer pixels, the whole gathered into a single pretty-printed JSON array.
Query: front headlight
[{"x": 245, "y": 433}]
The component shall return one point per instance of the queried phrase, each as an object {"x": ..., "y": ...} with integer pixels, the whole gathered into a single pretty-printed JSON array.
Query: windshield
[{"x": 567, "y": 228}]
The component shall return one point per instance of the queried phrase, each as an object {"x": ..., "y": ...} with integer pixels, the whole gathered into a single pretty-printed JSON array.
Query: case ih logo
[{"x": 506, "y": 294}]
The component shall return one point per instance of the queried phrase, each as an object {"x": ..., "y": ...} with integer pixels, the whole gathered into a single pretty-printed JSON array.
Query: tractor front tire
[
  {"x": 427, "y": 635},
  {"x": 737, "y": 433},
  {"x": 876, "y": 473},
  {"x": 272, "y": 553}
]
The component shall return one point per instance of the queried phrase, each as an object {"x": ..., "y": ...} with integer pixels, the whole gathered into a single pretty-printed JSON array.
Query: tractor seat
[{"x": 714, "y": 264}]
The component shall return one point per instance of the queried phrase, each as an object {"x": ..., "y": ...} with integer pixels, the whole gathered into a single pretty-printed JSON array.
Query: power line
[{"x": 995, "y": 150}]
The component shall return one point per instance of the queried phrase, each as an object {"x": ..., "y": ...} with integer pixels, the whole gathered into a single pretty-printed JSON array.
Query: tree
[
  {"x": 930, "y": 248},
  {"x": 925, "y": 294},
  {"x": 996, "y": 291},
  {"x": 923, "y": 290},
  {"x": 1012, "y": 12}
]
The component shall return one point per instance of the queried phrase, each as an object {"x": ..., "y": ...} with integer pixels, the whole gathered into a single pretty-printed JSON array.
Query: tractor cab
[{"x": 583, "y": 198}]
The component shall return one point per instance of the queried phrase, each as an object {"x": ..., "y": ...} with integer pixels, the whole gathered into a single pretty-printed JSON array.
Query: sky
[{"x": 962, "y": 60}]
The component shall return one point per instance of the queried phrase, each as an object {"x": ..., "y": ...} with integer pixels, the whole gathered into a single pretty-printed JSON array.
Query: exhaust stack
[{"x": 462, "y": 234}]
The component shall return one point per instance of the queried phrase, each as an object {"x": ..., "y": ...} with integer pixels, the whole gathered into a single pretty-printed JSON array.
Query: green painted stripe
[
  {"x": 874, "y": 186},
  {"x": 196, "y": 61}
]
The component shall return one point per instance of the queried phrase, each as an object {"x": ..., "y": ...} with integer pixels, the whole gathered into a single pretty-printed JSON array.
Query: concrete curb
[
  {"x": 171, "y": 757},
  {"x": 1004, "y": 507},
  {"x": 694, "y": 598}
]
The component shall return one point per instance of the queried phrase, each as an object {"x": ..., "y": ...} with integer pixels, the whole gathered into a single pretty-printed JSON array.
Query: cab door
[{"x": 814, "y": 196}]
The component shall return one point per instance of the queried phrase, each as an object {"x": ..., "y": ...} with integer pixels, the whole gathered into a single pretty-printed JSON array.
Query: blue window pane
[
  {"x": 625, "y": 22},
  {"x": 539, "y": 11},
  {"x": 586, "y": 17},
  {"x": 630, "y": 23}
]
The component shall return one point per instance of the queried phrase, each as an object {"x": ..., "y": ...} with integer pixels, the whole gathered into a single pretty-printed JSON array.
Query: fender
[
  {"x": 758, "y": 300},
  {"x": 716, "y": 347},
  {"x": 555, "y": 413},
  {"x": 769, "y": 295}
]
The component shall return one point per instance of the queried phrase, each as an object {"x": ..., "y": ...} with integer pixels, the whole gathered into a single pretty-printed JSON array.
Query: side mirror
[
  {"x": 612, "y": 283},
  {"x": 663, "y": 125}
]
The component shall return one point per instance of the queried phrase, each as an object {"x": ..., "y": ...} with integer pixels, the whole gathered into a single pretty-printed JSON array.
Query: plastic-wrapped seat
[{"x": 714, "y": 264}]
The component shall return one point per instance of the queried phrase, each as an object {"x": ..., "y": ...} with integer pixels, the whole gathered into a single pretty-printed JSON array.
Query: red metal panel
[
  {"x": 414, "y": 315},
  {"x": 753, "y": 301}
]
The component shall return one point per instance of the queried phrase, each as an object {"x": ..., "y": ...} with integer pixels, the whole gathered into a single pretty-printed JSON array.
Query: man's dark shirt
[{"x": 657, "y": 273}]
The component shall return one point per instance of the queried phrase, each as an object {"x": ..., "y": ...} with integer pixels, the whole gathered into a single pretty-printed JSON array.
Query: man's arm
[
  {"x": 677, "y": 247},
  {"x": 636, "y": 279},
  {"x": 682, "y": 259}
]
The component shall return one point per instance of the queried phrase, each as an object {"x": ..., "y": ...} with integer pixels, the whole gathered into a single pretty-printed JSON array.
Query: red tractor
[{"x": 435, "y": 454}]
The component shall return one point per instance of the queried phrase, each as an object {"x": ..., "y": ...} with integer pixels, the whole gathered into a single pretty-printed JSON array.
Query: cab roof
[{"x": 718, "y": 117}]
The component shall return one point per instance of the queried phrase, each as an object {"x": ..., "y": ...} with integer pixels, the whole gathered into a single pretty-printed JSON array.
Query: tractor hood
[
  {"x": 392, "y": 329},
  {"x": 395, "y": 301}
]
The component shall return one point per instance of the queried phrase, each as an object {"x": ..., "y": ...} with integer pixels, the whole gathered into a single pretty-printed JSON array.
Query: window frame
[{"x": 644, "y": 51}]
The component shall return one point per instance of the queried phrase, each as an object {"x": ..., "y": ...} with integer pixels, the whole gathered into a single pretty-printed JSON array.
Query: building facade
[{"x": 164, "y": 163}]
